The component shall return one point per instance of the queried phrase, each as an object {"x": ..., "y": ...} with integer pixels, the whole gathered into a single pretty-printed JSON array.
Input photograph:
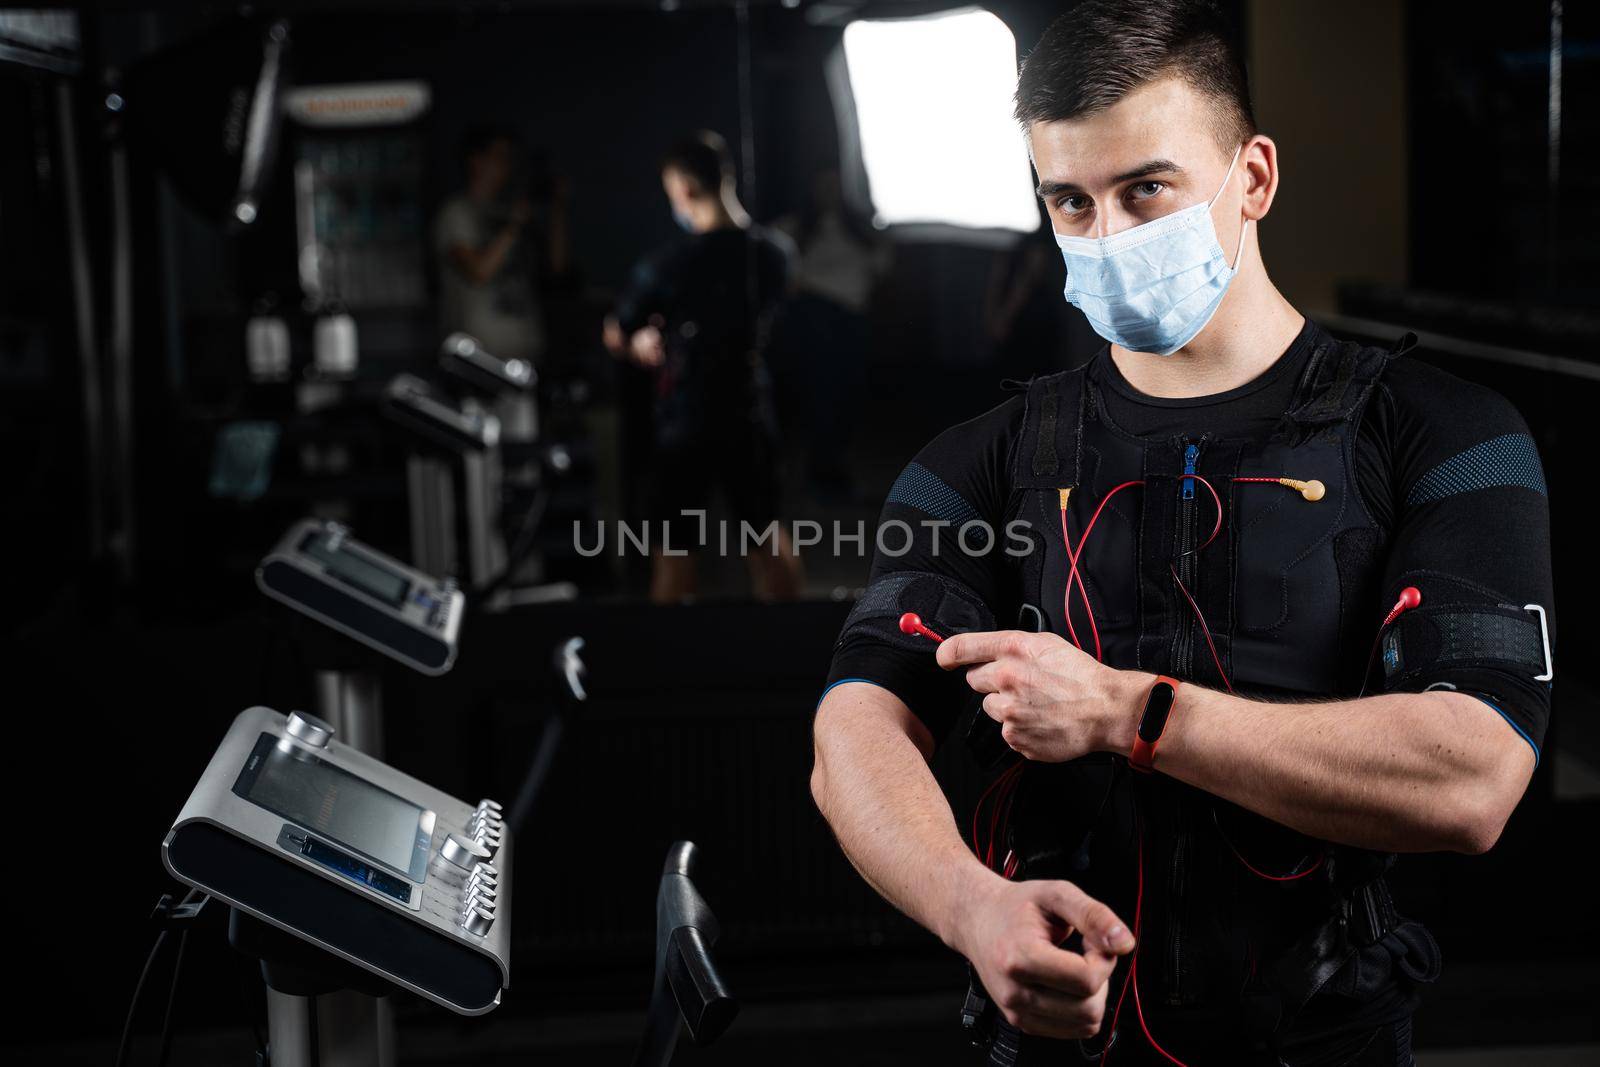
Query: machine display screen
[
  {"x": 355, "y": 570},
  {"x": 291, "y": 782}
]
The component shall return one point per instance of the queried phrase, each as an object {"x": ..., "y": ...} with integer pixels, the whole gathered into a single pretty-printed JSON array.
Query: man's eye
[
  {"x": 1073, "y": 204},
  {"x": 1145, "y": 190}
]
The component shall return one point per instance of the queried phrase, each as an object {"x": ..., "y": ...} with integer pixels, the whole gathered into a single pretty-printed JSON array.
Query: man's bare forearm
[
  {"x": 873, "y": 785},
  {"x": 1398, "y": 772}
]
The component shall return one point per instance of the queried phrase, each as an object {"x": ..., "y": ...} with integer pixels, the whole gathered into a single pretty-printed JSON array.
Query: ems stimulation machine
[
  {"x": 319, "y": 570},
  {"x": 342, "y": 873}
]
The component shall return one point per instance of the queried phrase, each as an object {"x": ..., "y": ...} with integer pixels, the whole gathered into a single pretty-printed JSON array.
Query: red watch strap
[{"x": 1143, "y": 755}]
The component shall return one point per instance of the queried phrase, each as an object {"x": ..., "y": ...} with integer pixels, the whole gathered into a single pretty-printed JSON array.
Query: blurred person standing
[
  {"x": 493, "y": 244},
  {"x": 697, "y": 313}
]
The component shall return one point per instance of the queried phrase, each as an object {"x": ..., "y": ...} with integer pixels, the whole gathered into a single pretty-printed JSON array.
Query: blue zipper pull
[{"x": 1190, "y": 454}]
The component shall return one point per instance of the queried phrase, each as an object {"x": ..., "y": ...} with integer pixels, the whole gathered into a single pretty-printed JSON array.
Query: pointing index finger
[{"x": 961, "y": 650}]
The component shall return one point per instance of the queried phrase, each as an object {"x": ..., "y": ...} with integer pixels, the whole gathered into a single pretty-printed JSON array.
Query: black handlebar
[{"x": 686, "y": 930}]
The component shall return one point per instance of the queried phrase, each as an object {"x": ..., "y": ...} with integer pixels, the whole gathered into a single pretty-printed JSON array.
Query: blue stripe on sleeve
[
  {"x": 1520, "y": 731},
  {"x": 842, "y": 681}
]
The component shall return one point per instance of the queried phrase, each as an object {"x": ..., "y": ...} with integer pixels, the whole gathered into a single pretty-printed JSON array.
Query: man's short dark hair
[
  {"x": 1101, "y": 50},
  {"x": 704, "y": 157}
]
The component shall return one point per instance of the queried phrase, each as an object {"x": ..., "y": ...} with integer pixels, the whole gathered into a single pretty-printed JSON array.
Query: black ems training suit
[
  {"x": 1429, "y": 481},
  {"x": 713, "y": 296}
]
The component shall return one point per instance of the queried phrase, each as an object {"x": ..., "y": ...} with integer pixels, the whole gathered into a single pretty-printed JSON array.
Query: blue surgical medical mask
[
  {"x": 685, "y": 223},
  {"x": 1152, "y": 288}
]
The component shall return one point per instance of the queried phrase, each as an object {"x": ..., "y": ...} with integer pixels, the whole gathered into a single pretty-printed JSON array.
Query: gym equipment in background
[
  {"x": 344, "y": 873},
  {"x": 320, "y": 571}
]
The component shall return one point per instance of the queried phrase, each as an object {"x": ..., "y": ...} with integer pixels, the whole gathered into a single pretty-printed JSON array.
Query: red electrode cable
[
  {"x": 1072, "y": 574},
  {"x": 1247, "y": 865},
  {"x": 1410, "y": 597},
  {"x": 911, "y": 623}
]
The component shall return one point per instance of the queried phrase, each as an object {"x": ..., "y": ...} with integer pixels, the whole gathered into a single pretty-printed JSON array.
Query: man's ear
[{"x": 1259, "y": 160}]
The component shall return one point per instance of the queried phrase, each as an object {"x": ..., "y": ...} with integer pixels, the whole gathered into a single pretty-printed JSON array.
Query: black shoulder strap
[
  {"x": 1048, "y": 454},
  {"x": 1337, "y": 380}
]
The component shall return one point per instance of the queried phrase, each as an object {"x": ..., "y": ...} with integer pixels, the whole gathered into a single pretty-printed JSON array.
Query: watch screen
[{"x": 1156, "y": 710}]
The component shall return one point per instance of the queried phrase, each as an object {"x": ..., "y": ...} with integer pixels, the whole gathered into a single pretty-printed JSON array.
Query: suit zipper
[
  {"x": 1183, "y": 666},
  {"x": 1187, "y": 508}
]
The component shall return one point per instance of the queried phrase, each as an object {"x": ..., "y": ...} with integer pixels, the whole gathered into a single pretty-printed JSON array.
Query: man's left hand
[{"x": 1053, "y": 701}]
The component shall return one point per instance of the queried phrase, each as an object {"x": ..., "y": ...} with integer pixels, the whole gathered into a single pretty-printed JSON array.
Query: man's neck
[{"x": 1253, "y": 327}]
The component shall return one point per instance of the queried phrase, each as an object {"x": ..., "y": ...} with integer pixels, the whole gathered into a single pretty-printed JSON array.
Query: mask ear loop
[{"x": 1239, "y": 251}]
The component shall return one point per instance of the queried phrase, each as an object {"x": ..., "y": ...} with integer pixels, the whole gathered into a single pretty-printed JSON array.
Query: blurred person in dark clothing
[{"x": 697, "y": 313}]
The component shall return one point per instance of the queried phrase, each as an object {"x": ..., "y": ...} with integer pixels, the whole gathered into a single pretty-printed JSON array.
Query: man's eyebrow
[{"x": 1144, "y": 170}]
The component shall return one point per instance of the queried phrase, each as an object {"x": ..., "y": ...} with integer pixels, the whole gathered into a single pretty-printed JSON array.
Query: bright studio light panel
[{"x": 933, "y": 107}]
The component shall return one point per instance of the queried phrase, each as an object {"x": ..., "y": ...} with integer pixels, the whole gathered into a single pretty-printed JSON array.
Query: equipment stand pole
[
  {"x": 355, "y": 1030},
  {"x": 486, "y": 550},
  {"x": 352, "y": 702},
  {"x": 431, "y": 498},
  {"x": 290, "y": 1030}
]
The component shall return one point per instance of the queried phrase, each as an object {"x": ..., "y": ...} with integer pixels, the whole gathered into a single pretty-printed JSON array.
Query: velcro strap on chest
[
  {"x": 1051, "y": 446},
  {"x": 1337, "y": 380}
]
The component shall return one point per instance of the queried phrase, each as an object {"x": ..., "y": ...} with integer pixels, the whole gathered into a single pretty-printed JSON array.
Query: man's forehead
[{"x": 1162, "y": 120}]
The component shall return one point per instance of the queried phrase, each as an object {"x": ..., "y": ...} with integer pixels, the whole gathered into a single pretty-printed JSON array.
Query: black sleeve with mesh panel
[
  {"x": 1469, "y": 516},
  {"x": 923, "y": 561}
]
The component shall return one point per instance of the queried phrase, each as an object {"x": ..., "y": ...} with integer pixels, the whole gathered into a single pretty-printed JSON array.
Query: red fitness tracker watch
[{"x": 1157, "y": 707}]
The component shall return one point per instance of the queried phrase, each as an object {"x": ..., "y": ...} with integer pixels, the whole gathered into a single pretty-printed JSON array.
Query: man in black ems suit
[{"x": 1294, "y": 606}]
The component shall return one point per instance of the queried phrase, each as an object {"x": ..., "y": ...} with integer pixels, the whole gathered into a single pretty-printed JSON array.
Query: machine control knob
[
  {"x": 477, "y": 921},
  {"x": 490, "y": 805},
  {"x": 478, "y": 899},
  {"x": 488, "y": 869},
  {"x": 307, "y": 729},
  {"x": 463, "y": 851},
  {"x": 488, "y": 881}
]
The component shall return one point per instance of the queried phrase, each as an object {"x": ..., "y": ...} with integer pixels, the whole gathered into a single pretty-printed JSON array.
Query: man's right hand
[
  {"x": 646, "y": 347},
  {"x": 1012, "y": 936}
]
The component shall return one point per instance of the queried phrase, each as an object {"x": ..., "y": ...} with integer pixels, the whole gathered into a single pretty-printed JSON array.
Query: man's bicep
[
  {"x": 939, "y": 554},
  {"x": 851, "y": 705},
  {"x": 1474, "y": 538}
]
